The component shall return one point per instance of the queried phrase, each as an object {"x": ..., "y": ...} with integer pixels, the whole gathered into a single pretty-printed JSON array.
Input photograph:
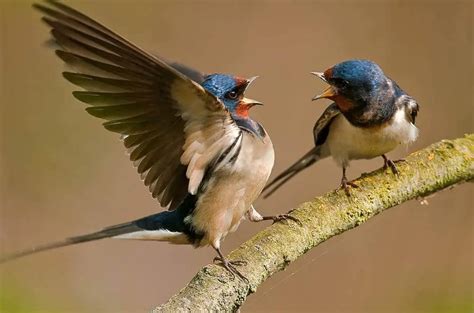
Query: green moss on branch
[{"x": 436, "y": 167}]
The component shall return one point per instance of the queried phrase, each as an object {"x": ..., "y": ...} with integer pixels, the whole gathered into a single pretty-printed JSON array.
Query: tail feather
[
  {"x": 164, "y": 226},
  {"x": 307, "y": 160},
  {"x": 105, "y": 233}
]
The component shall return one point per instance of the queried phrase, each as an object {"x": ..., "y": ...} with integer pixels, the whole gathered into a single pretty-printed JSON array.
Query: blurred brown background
[{"x": 62, "y": 174}]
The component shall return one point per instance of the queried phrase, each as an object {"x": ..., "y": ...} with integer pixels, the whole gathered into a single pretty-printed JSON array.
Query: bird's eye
[{"x": 232, "y": 95}]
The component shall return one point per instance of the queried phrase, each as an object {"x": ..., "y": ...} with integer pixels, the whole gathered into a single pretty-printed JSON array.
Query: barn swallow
[
  {"x": 189, "y": 135},
  {"x": 371, "y": 115}
]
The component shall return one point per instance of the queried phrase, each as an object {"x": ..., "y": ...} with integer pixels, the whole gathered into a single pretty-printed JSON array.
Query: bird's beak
[
  {"x": 250, "y": 102},
  {"x": 329, "y": 93},
  {"x": 250, "y": 81},
  {"x": 320, "y": 75}
]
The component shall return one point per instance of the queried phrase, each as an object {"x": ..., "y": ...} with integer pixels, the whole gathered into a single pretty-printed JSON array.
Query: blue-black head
[
  {"x": 354, "y": 84},
  {"x": 231, "y": 91}
]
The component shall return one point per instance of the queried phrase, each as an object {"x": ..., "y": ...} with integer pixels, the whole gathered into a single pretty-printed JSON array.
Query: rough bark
[{"x": 427, "y": 171}]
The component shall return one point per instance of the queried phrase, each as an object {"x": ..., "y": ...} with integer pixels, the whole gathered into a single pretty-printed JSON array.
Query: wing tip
[
  {"x": 70, "y": 76},
  {"x": 83, "y": 96},
  {"x": 38, "y": 6},
  {"x": 77, "y": 79},
  {"x": 63, "y": 55}
]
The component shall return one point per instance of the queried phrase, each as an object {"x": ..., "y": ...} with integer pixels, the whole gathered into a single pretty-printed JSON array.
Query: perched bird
[
  {"x": 188, "y": 134},
  {"x": 371, "y": 115}
]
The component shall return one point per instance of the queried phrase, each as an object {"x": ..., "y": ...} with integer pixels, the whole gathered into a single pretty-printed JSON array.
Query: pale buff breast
[
  {"x": 346, "y": 142},
  {"x": 233, "y": 189}
]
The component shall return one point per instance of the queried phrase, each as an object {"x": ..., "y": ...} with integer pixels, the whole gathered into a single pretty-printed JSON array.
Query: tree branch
[{"x": 427, "y": 171}]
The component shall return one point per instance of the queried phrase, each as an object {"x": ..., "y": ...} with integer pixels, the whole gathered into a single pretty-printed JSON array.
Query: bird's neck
[
  {"x": 376, "y": 110},
  {"x": 247, "y": 124},
  {"x": 370, "y": 115}
]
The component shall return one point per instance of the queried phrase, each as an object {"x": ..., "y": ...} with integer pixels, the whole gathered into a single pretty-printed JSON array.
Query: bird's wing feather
[
  {"x": 412, "y": 109},
  {"x": 172, "y": 127},
  {"x": 190, "y": 72},
  {"x": 321, "y": 128}
]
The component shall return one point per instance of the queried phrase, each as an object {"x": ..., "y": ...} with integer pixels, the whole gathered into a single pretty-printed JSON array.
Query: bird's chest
[
  {"x": 250, "y": 173},
  {"x": 234, "y": 188},
  {"x": 255, "y": 161},
  {"x": 347, "y": 142}
]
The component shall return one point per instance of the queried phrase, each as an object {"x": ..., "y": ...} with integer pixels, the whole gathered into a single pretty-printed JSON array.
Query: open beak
[
  {"x": 250, "y": 81},
  {"x": 320, "y": 75},
  {"x": 328, "y": 93},
  {"x": 250, "y": 102}
]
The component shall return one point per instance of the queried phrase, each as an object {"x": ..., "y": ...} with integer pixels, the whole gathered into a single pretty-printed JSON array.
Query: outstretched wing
[
  {"x": 320, "y": 132},
  {"x": 172, "y": 127}
]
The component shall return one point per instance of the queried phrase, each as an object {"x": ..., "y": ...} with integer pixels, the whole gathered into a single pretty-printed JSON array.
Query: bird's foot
[
  {"x": 281, "y": 217},
  {"x": 218, "y": 259},
  {"x": 345, "y": 184},
  {"x": 389, "y": 163},
  {"x": 230, "y": 266}
]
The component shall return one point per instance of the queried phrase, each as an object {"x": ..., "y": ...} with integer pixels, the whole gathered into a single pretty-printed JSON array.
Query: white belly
[
  {"x": 346, "y": 142},
  {"x": 233, "y": 190}
]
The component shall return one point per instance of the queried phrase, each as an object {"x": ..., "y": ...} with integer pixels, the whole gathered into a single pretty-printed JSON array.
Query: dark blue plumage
[
  {"x": 230, "y": 90},
  {"x": 170, "y": 220},
  {"x": 363, "y": 74},
  {"x": 221, "y": 85},
  {"x": 174, "y": 221}
]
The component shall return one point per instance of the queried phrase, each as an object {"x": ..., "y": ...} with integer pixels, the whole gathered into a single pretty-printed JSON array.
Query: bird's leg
[
  {"x": 387, "y": 162},
  {"x": 230, "y": 265},
  {"x": 345, "y": 183},
  {"x": 254, "y": 216}
]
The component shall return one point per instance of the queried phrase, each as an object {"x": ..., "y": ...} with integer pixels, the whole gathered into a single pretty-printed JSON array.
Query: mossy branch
[{"x": 427, "y": 171}]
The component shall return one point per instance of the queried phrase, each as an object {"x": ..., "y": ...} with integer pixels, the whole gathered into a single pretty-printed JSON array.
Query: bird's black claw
[
  {"x": 217, "y": 259},
  {"x": 345, "y": 184},
  {"x": 282, "y": 217},
  {"x": 392, "y": 166},
  {"x": 230, "y": 266},
  {"x": 389, "y": 163}
]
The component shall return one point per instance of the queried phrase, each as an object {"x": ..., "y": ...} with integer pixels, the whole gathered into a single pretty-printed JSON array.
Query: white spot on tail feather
[{"x": 158, "y": 235}]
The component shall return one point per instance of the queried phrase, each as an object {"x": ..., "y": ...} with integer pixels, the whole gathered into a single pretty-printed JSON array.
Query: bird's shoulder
[
  {"x": 321, "y": 128},
  {"x": 409, "y": 105},
  {"x": 405, "y": 102}
]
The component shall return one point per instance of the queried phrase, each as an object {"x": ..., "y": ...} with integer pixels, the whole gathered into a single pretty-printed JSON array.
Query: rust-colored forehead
[
  {"x": 240, "y": 81},
  {"x": 328, "y": 73}
]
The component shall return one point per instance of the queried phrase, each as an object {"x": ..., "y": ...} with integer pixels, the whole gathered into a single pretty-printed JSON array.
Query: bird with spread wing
[{"x": 188, "y": 134}]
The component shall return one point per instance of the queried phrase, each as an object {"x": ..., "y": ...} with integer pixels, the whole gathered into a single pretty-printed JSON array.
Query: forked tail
[
  {"x": 105, "y": 233},
  {"x": 307, "y": 160},
  {"x": 164, "y": 226}
]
